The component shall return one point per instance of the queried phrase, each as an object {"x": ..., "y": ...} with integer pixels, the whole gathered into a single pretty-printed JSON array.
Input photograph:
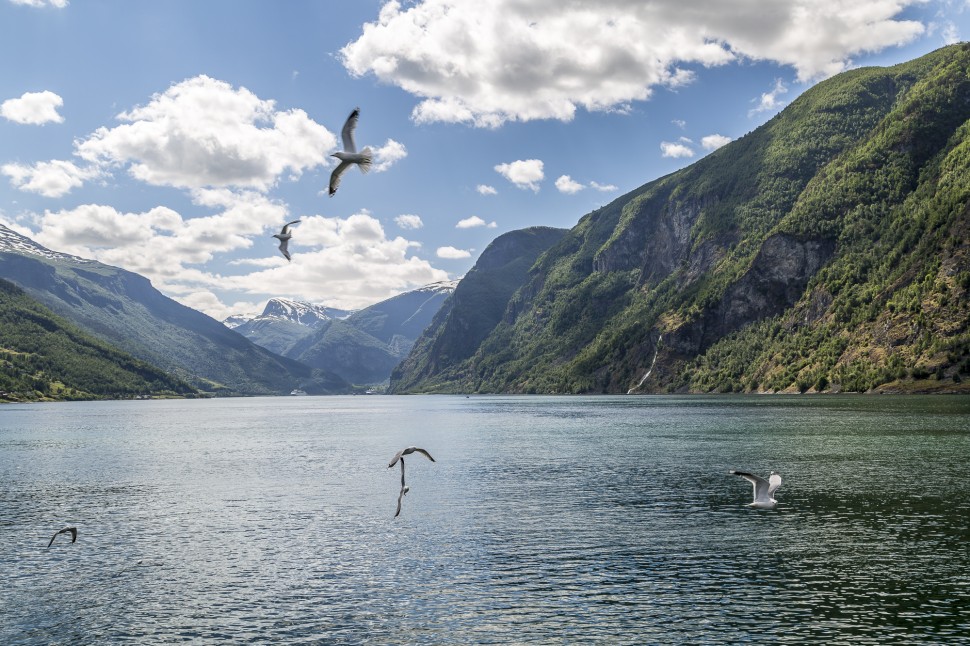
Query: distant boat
[{"x": 297, "y": 391}]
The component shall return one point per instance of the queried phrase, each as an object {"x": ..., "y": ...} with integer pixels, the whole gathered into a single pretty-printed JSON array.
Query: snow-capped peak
[{"x": 12, "y": 241}]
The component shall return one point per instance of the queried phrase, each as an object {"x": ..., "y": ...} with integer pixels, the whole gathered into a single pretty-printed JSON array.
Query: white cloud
[
  {"x": 50, "y": 179},
  {"x": 769, "y": 100},
  {"x": 567, "y": 184},
  {"x": 524, "y": 173},
  {"x": 33, "y": 108},
  {"x": 451, "y": 253},
  {"x": 680, "y": 123},
  {"x": 407, "y": 221},
  {"x": 474, "y": 221},
  {"x": 202, "y": 132},
  {"x": 675, "y": 149},
  {"x": 59, "y": 4},
  {"x": 605, "y": 188},
  {"x": 713, "y": 142},
  {"x": 388, "y": 154},
  {"x": 485, "y": 63},
  {"x": 485, "y": 189},
  {"x": 361, "y": 264}
]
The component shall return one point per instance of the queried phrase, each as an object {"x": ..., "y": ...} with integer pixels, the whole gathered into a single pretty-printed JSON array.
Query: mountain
[
  {"x": 827, "y": 250},
  {"x": 123, "y": 309},
  {"x": 283, "y": 322},
  {"x": 43, "y": 357},
  {"x": 478, "y": 304},
  {"x": 364, "y": 348}
]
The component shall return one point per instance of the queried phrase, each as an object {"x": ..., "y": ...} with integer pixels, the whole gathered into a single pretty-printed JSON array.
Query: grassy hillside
[
  {"x": 44, "y": 357},
  {"x": 826, "y": 250}
]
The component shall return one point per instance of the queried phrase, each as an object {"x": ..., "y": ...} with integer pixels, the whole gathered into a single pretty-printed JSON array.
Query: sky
[{"x": 174, "y": 138}]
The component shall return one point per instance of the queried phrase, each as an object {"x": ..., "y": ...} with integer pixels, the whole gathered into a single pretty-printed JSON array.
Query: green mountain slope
[
  {"x": 124, "y": 310},
  {"x": 43, "y": 356},
  {"x": 825, "y": 250}
]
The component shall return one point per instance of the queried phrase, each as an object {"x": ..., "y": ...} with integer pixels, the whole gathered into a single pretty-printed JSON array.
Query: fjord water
[{"x": 544, "y": 520}]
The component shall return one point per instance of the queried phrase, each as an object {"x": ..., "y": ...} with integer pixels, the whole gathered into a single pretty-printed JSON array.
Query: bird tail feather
[{"x": 367, "y": 157}]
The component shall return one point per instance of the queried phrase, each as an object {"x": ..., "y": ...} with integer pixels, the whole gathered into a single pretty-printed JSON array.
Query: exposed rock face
[{"x": 776, "y": 280}]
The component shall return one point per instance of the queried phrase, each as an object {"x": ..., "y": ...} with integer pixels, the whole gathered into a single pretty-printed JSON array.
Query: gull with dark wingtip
[
  {"x": 763, "y": 489},
  {"x": 72, "y": 530},
  {"x": 349, "y": 156},
  {"x": 399, "y": 457},
  {"x": 284, "y": 238}
]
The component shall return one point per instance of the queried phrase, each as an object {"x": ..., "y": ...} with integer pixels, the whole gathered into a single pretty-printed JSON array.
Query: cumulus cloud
[
  {"x": 451, "y": 253},
  {"x": 769, "y": 100},
  {"x": 524, "y": 173},
  {"x": 605, "y": 188},
  {"x": 407, "y": 221},
  {"x": 486, "y": 63},
  {"x": 675, "y": 149},
  {"x": 567, "y": 184},
  {"x": 713, "y": 142},
  {"x": 485, "y": 189},
  {"x": 361, "y": 263},
  {"x": 388, "y": 155},
  {"x": 203, "y": 132},
  {"x": 33, "y": 108},
  {"x": 474, "y": 221},
  {"x": 50, "y": 179}
]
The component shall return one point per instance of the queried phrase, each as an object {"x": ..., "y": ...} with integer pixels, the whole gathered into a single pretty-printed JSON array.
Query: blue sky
[{"x": 173, "y": 138}]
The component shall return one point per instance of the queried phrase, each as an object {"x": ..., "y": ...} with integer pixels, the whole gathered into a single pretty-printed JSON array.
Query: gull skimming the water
[
  {"x": 284, "y": 238},
  {"x": 349, "y": 155},
  {"x": 399, "y": 457},
  {"x": 763, "y": 489},
  {"x": 72, "y": 530}
]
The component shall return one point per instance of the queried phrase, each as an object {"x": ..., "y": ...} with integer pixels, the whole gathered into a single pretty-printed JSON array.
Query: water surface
[{"x": 544, "y": 520}]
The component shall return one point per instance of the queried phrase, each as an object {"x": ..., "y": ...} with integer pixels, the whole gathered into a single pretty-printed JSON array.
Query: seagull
[
  {"x": 763, "y": 489},
  {"x": 408, "y": 451},
  {"x": 73, "y": 531},
  {"x": 349, "y": 155},
  {"x": 404, "y": 490},
  {"x": 284, "y": 238},
  {"x": 399, "y": 457}
]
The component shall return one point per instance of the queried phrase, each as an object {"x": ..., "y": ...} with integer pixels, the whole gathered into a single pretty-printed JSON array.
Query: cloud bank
[{"x": 486, "y": 63}]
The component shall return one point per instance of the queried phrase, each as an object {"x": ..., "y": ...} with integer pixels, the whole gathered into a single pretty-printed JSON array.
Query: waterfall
[{"x": 650, "y": 369}]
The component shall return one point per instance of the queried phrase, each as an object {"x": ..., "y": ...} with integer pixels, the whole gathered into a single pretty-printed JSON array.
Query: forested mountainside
[
  {"x": 827, "y": 250},
  {"x": 123, "y": 309},
  {"x": 44, "y": 357}
]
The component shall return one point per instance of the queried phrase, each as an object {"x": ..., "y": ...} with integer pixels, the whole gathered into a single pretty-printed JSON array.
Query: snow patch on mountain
[{"x": 11, "y": 241}]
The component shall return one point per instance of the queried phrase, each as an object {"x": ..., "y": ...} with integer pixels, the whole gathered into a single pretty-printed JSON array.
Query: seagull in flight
[
  {"x": 763, "y": 489},
  {"x": 349, "y": 155},
  {"x": 408, "y": 451},
  {"x": 72, "y": 530},
  {"x": 284, "y": 238},
  {"x": 399, "y": 457}
]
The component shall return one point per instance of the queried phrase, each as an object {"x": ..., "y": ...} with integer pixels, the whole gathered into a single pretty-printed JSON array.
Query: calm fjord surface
[{"x": 544, "y": 519}]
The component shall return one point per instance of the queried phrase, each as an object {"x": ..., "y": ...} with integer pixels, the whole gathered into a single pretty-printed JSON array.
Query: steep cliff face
[
  {"x": 767, "y": 265},
  {"x": 474, "y": 309}
]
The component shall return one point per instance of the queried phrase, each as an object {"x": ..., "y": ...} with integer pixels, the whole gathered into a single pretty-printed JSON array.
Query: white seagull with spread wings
[
  {"x": 763, "y": 489},
  {"x": 284, "y": 238},
  {"x": 349, "y": 155}
]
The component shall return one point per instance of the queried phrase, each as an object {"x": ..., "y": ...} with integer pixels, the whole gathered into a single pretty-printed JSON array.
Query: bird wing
[
  {"x": 283, "y": 247},
  {"x": 286, "y": 227},
  {"x": 402, "y": 473},
  {"x": 399, "y": 497},
  {"x": 773, "y": 483},
  {"x": 73, "y": 531},
  {"x": 347, "y": 134},
  {"x": 335, "y": 176},
  {"x": 760, "y": 485},
  {"x": 396, "y": 458},
  {"x": 423, "y": 452}
]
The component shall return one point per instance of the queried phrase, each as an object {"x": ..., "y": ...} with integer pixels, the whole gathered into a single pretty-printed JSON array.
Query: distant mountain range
[
  {"x": 828, "y": 250},
  {"x": 361, "y": 347},
  {"x": 124, "y": 310}
]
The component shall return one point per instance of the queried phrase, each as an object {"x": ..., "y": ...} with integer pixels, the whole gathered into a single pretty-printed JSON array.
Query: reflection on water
[{"x": 544, "y": 519}]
